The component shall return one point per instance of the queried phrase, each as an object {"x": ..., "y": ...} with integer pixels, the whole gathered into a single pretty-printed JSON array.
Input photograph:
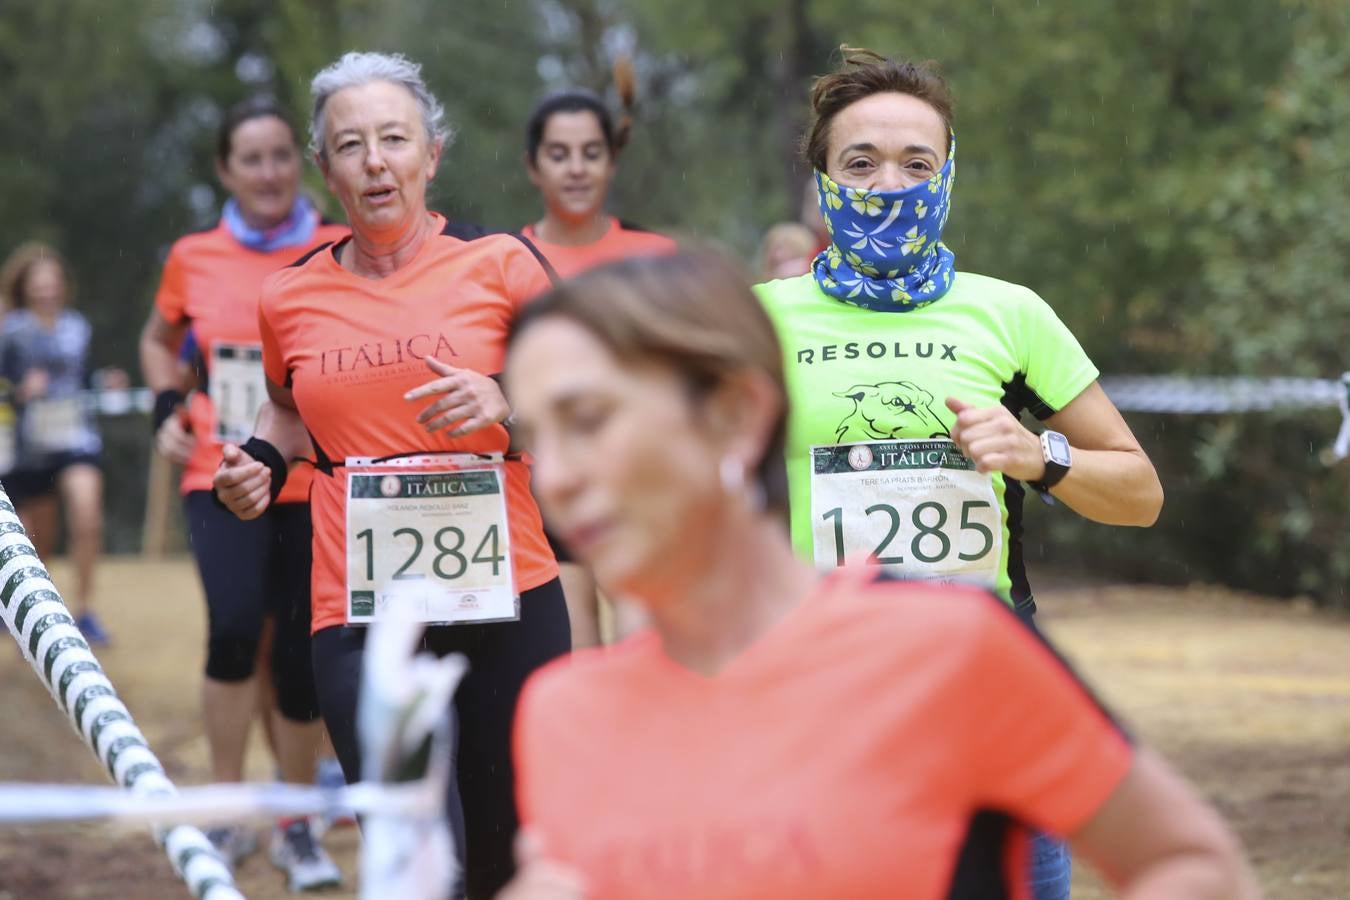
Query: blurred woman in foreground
[{"x": 778, "y": 733}]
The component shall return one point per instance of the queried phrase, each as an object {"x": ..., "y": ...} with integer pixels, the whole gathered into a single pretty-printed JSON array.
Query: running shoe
[
  {"x": 92, "y": 629},
  {"x": 234, "y": 843},
  {"x": 328, "y": 774},
  {"x": 298, "y": 854}
]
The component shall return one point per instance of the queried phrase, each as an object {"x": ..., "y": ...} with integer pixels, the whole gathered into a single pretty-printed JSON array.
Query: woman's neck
[
  {"x": 258, "y": 223},
  {"x": 381, "y": 255},
  {"x": 750, "y": 585},
  {"x": 47, "y": 318},
  {"x": 553, "y": 229}
]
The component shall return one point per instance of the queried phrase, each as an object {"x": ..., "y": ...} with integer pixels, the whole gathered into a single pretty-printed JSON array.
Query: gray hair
[{"x": 355, "y": 69}]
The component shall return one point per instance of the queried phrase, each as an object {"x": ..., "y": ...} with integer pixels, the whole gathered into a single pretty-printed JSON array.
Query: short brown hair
[
  {"x": 692, "y": 311},
  {"x": 14, "y": 273},
  {"x": 862, "y": 74}
]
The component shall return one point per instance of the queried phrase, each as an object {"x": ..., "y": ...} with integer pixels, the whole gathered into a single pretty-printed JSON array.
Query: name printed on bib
[
  {"x": 917, "y": 507},
  {"x": 238, "y": 388},
  {"x": 427, "y": 539}
]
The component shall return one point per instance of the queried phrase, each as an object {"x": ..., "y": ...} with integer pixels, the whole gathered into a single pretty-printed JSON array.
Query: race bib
[
  {"x": 238, "y": 388},
  {"x": 52, "y": 425},
  {"x": 917, "y": 507},
  {"x": 427, "y": 536}
]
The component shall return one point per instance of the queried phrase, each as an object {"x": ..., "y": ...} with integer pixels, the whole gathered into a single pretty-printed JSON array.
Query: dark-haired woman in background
[
  {"x": 572, "y": 147},
  {"x": 253, "y": 569}
]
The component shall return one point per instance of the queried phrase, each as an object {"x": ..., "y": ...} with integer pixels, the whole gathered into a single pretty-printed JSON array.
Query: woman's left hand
[
  {"x": 993, "y": 439},
  {"x": 470, "y": 398}
]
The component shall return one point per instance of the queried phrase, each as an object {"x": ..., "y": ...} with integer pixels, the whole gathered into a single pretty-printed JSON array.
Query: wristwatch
[{"x": 1058, "y": 458}]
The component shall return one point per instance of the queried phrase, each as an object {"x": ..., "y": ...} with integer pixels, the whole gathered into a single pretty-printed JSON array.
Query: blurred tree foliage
[{"x": 1169, "y": 174}]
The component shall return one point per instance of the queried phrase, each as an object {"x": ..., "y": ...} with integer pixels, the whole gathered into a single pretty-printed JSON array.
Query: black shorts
[
  {"x": 251, "y": 570},
  {"x": 32, "y": 483}
]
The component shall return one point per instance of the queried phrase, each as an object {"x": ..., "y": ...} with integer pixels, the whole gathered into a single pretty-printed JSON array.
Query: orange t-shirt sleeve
[
  {"x": 1043, "y": 750},
  {"x": 171, "y": 298},
  {"x": 274, "y": 364}
]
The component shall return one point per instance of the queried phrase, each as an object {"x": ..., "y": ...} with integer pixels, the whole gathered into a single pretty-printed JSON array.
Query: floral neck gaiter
[{"x": 886, "y": 251}]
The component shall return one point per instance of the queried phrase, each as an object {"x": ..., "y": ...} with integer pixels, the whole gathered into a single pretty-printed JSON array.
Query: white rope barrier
[
  {"x": 37, "y": 618},
  {"x": 212, "y": 804},
  {"x": 1196, "y": 394},
  {"x": 1203, "y": 395},
  {"x": 406, "y": 850},
  {"x": 1179, "y": 394}
]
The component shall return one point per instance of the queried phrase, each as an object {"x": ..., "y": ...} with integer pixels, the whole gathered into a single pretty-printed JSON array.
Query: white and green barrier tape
[
  {"x": 1202, "y": 395},
  {"x": 1181, "y": 394},
  {"x": 37, "y": 619},
  {"x": 406, "y": 850}
]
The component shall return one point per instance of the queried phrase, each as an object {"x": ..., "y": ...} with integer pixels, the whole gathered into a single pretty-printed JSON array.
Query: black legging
[
  {"x": 481, "y": 801},
  {"x": 250, "y": 570}
]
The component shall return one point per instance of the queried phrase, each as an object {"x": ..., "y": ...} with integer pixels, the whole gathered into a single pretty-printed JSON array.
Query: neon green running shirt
[{"x": 872, "y": 471}]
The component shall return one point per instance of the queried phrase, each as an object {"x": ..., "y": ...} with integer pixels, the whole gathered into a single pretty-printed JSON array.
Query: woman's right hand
[
  {"x": 538, "y": 878},
  {"x": 173, "y": 440},
  {"x": 243, "y": 484}
]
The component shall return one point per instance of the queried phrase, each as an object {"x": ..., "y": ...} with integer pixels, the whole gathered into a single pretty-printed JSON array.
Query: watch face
[{"x": 1058, "y": 447}]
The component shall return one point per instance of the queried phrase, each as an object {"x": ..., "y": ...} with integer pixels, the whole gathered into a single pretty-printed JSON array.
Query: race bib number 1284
[{"x": 430, "y": 544}]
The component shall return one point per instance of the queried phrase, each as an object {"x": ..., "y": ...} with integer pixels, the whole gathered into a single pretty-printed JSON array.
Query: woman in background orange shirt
[
  {"x": 776, "y": 734},
  {"x": 249, "y": 570},
  {"x": 572, "y": 148}
]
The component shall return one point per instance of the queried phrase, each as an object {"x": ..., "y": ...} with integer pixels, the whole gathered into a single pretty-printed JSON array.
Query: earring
[
  {"x": 732, "y": 474},
  {"x": 734, "y": 481}
]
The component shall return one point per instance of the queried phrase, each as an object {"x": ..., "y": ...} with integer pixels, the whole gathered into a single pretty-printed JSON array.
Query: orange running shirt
[
  {"x": 620, "y": 241},
  {"x": 860, "y": 749},
  {"x": 350, "y": 347},
  {"x": 211, "y": 281}
]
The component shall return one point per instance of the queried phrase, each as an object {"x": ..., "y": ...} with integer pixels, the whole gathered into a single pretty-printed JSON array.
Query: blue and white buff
[
  {"x": 296, "y": 230},
  {"x": 886, "y": 251}
]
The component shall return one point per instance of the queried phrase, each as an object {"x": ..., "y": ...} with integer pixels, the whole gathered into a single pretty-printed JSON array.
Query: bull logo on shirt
[{"x": 890, "y": 410}]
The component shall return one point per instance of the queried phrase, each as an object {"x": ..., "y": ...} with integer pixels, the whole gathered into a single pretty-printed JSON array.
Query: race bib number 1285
[{"x": 917, "y": 507}]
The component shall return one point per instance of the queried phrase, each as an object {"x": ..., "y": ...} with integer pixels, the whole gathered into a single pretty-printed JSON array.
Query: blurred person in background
[
  {"x": 907, "y": 378},
  {"x": 786, "y": 251},
  {"x": 779, "y": 733},
  {"x": 381, "y": 354},
  {"x": 257, "y": 570},
  {"x": 572, "y": 147},
  {"x": 44, "y": 355},
  {"x": 812, "y": 218}
]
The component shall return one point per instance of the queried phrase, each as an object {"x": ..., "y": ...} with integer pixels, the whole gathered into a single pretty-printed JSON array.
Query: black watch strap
[{"x": 1054, "y": 474}]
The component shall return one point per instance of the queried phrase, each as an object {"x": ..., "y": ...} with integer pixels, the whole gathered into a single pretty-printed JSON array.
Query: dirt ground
[{"x": 1251, "y": 699}]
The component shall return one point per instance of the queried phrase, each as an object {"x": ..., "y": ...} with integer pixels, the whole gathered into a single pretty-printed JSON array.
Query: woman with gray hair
[{"x": 420, "y": 507}]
